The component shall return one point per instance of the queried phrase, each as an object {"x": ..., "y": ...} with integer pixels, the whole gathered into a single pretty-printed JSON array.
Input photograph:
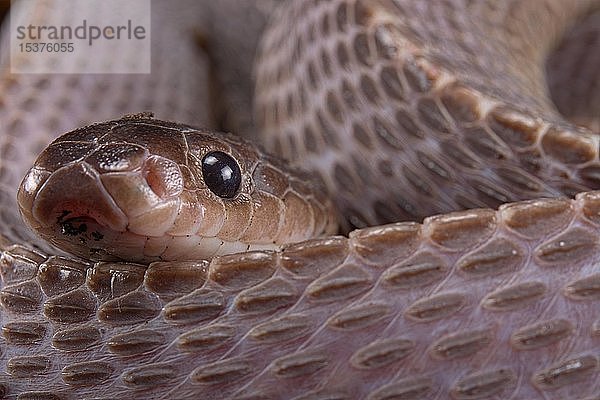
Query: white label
[{"x": 80, "y": 36}]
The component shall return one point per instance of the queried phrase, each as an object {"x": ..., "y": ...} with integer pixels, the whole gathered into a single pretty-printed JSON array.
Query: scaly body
[{"x": 475, "y": 304}]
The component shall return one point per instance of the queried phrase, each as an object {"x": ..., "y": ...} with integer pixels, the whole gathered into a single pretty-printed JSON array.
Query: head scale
[{"x": 142, "y": 189}]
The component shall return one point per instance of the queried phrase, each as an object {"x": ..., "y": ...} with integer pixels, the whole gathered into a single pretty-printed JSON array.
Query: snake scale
[{"x": 445, "y": 106}]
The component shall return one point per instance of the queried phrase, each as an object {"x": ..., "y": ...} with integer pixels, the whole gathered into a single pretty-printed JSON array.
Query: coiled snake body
[{"x": 476, "y": 304}]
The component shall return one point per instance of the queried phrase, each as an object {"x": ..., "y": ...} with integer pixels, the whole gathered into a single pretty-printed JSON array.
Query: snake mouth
[
  {"x": 103, "y": 215},
  {"x": 72, "y": 193},
  {"x": 83, "y": 232},
  {"x": 71, "y": 209},
  {"x": 84, "y": 235},
  {"x": 80, "y": 226}
]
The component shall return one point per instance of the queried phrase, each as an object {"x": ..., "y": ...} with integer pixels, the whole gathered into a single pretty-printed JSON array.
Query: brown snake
[{"x": 444, "y": 105}]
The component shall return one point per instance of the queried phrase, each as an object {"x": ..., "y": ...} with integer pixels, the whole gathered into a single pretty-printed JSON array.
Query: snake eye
[{"x": 221, "y": 174}]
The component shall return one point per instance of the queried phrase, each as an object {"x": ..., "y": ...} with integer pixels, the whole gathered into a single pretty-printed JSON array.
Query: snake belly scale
[{"x": 478, "y": 304}]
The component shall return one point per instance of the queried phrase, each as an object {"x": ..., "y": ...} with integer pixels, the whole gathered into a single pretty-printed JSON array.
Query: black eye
[{"x": 221, "y": 174}]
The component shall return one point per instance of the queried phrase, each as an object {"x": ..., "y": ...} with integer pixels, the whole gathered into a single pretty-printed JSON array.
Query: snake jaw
[
  {"x": 73, "y": 216},
  {"x": 101, "y": 214},
  {"x": 82, "y": 196}
]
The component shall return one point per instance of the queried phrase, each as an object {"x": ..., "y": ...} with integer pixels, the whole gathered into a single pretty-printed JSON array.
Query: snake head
[{"x": 141, "y": 189}]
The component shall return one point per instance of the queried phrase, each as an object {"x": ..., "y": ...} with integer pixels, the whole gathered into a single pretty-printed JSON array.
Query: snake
[{"x": 434, "y": 234}]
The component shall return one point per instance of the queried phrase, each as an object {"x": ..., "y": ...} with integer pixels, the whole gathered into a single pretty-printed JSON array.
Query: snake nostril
[{"x": 163, "y": 176}]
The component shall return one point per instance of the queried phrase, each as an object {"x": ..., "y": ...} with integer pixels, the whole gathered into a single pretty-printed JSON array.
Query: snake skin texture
[
  {"x": 417, "y": 118},
  {"x": 476, "y": 304},
  {"x": 472, "y": 305}
]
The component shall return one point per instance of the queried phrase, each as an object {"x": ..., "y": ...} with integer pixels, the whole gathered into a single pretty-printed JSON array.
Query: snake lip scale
[{"x": 201, "y": 266}]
